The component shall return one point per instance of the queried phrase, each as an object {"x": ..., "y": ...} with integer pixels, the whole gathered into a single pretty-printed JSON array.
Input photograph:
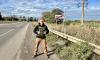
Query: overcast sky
[{"x": 34, "y": 8}]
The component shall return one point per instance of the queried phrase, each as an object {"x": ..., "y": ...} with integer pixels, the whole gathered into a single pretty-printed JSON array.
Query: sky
[{"x": 34, "y": 8}]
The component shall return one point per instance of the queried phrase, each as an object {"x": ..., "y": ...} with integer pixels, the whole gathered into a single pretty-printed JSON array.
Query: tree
[
  {"x": 14, "y": 18},
  {"x": 57, "y": 11},
  {"x": 50, "y": 16},
  {"x": 35, "y": 19},
  {"x": 47, "y": 16},
  {"x": 0, "y": 16},
  {"x": 24, "y": 18},
  {"x": 30, "y": 19}
]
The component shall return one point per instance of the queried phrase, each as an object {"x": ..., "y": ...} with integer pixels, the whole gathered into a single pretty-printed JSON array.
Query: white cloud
[{"x": 36, "y": 7}]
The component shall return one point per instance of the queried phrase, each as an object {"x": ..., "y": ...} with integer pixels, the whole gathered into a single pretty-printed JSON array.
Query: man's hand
[{"x": 44, "y": 33}]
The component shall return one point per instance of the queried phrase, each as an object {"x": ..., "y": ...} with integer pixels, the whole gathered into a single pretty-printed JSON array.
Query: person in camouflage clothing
[{"x": 41, "y": 30}]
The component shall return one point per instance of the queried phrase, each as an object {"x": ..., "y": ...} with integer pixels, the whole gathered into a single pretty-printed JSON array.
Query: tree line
[{"x": 16, "y": 18}]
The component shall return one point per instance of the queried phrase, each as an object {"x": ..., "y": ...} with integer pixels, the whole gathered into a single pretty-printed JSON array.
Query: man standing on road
[{"x": 41, "y": 30}]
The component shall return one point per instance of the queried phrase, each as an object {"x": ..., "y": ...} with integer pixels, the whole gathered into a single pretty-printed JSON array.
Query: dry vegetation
[
  {"x": 67, "y": 50},
  {"x": 7, "y": 22},
  {"x": 70, "y": 51},
  {"x": 88, "y": 32}
]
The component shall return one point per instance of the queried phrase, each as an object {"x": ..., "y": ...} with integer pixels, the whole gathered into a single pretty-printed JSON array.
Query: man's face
[{"x": 41, "y": 21}]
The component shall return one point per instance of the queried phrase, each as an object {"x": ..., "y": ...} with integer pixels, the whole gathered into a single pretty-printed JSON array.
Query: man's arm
[
  {"x": 47, "y": 30},
  {"x": 35, "y": 29}
]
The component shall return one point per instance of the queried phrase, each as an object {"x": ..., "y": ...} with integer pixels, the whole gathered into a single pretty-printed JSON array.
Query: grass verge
[{"x": 70, "y": 51}]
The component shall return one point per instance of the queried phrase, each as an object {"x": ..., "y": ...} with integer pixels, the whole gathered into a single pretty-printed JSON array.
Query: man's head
[{"x": 41, "y": 21}]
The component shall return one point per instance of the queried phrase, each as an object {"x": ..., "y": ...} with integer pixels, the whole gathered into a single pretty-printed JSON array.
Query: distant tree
[
  {"x": 20, "y": 18},
  {"x": 77, "y": 21},
  {"x": 47, "y": 16},
  {"x": 30, "y": 19},
  {"x": 0, "y": 16},
  {"x": 7, "y": 18},
  {"x": 50, "y": 16},
  {"x": 14, "y": 18},
  {"x": 57, "y": 11},
  {"x": 24, "y": 18},
  {"x": 35, "y": 19}
]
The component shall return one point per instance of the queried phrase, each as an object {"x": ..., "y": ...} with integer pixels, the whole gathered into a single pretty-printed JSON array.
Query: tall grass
[
  {"x": 88, "y": 32},
  {"x": 69, "y": 50}
]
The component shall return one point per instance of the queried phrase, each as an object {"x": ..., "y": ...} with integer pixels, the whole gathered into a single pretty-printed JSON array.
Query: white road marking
[
  {"x": 6, "y": 32},
  {"x": 10, "y": 49}
]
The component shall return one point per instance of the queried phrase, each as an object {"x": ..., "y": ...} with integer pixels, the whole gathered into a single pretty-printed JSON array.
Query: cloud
[{"x": 36, "y": 7}]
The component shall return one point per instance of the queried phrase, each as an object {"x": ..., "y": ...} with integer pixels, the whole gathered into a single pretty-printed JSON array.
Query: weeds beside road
[
  {"x": 86, "y": 32},
  {"x": 7, "y": 22},
  {"x": 67, "y": 50}
]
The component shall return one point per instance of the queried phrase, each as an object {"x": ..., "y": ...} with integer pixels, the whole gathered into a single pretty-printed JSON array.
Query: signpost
[{"x": 59, "y": 18}]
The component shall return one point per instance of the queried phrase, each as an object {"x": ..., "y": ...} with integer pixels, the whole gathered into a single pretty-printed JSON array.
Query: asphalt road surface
[
  {"x": 8, "y": 31},
  {"x": 17, "y": 43},
  {"x": 11, "y": 38}
]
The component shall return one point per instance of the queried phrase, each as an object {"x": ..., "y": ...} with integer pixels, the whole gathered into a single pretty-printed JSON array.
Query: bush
[
  {"x": 67, "y": 22},
  {"x": 76, "y": 52}
]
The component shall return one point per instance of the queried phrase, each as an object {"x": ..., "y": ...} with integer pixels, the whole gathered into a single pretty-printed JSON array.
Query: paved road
[
  {"x": 17, "y": 43},
  {"x": 8, "y": 31},
  {"x": 28, "y": 45},
  {"x": 10, "y": 34}
]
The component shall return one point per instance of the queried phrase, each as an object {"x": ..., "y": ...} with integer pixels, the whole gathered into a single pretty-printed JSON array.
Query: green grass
[
  {"x": 93, "y": 24},
  {"x": 70, "y": 51},
  {"x": 76, "y": 52},
  {"x": 51, "y": 38}
]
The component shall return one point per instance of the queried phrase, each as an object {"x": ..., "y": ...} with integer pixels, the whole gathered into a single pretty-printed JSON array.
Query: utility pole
[
  {"x": 64, "y": 29},
  {"x": 82, "y": 18}
]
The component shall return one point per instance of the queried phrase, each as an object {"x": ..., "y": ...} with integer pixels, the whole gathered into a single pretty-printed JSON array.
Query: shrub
[{"x": 76, "y": 52}]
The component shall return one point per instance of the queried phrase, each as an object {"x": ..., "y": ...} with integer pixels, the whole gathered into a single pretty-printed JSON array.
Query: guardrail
[{"x": 76, "y": 40}]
